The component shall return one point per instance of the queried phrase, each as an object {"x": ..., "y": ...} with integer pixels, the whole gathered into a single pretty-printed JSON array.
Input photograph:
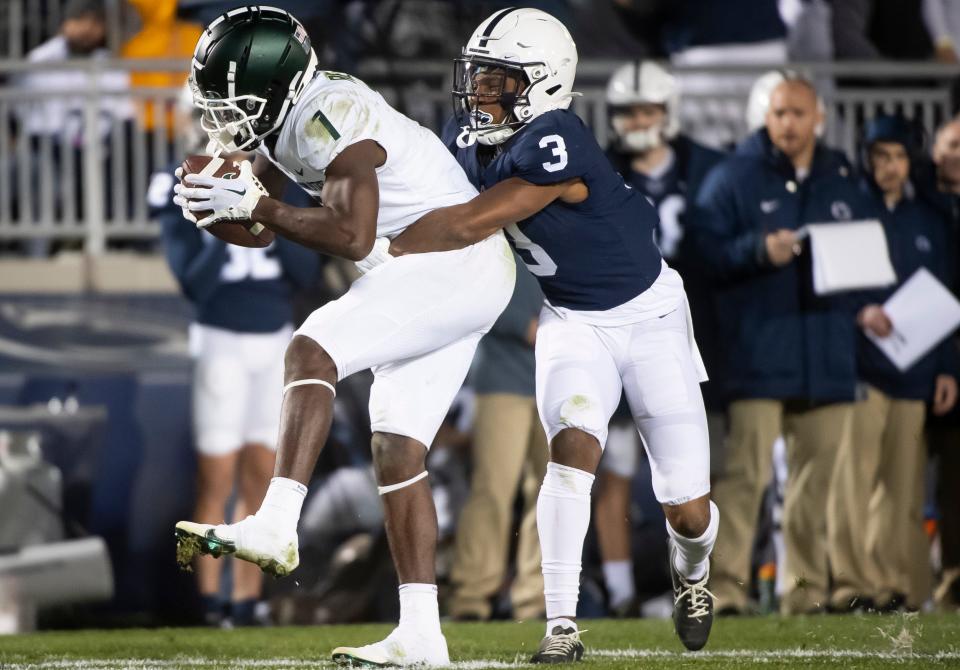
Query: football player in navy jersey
[
  {"x": 615, "y": 316},
  {"x": 649, "y": 150},
  {"x": 667, "y": 167}
]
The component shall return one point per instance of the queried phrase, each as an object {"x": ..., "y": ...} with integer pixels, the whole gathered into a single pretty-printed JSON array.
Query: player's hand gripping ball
[{"x": 219, "y": 196}]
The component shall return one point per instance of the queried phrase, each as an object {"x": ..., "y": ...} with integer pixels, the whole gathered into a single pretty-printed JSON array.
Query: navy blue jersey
[
  {"x": 236, "y": 288},
  {"x": 670, "y": 191},
  {"x": 592, "y": 255},
  {"x": 668, "y": 194}
]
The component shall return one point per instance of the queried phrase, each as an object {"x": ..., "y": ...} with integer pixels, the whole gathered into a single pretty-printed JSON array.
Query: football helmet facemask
[
  {"x": 643, "y": 83},
  {"x": 249, "y": 67}
]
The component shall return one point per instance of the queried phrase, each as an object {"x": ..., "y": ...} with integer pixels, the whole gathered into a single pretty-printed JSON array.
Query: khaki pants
[
  {"x": 875, "y": 512},
  {"x": 509, "y": 450},
  {"x": 813, "y": 438}
]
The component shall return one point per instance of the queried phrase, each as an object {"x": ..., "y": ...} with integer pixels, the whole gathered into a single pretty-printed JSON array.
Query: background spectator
[
  {"x": 788, "y": 355},
  {"x": 509, "y": 452},
  {"x": 943, "y": 433},
  {"x": 942, "y": 19},
  {"x": 161, "y": 35},
  {"x": 55, "y": 118},
  {"x": 879, "y": 554},
  {"x": 808, "y": 25},
  {"x": 698, "y": 33},
  {"x": 873, "y": 29},
  {"x": 60, "y": 115}
]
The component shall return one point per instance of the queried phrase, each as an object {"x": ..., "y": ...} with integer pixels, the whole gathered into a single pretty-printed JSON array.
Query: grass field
[{"x": 802, "y": 642}]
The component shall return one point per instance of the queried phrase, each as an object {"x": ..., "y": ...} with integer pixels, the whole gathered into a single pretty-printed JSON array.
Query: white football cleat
[
  {"x": 253, "y": 539},
  {"x": 400, "y": 648}
]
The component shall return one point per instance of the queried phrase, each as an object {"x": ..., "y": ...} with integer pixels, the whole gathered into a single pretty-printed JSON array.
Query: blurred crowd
[
  {"x": 835, "y": 471},
  {"x": 53, "y": 128}
]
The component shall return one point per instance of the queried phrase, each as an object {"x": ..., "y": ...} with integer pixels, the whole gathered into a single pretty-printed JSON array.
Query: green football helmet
[{"x": 250, "y": 66}]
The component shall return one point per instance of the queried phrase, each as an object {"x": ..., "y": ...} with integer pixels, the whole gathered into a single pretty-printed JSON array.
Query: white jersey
[{"x": 335, "y": 111}]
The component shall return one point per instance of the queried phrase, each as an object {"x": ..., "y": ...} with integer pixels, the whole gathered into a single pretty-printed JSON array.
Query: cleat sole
[
  {"x": 199, "y": 540},
  {"x": 345, "y": 656},
  {"x": 192, "y": 543}
]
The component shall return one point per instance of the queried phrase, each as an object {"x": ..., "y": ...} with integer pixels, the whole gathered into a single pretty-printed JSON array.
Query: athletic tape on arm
[
  {"x": 304, "y": 382},
  {"x": 395, "y": 487}
]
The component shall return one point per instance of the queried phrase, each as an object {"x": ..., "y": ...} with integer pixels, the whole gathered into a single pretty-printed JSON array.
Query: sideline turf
[{"x": 931, "y": 641}]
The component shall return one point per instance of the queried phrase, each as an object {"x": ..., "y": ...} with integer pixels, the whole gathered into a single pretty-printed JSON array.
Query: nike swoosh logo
[
  {"x": 298, "y": 171},
  {"x": 240, "y": 192}
]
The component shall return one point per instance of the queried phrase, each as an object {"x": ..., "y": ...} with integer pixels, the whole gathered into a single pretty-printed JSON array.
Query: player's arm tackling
[
  {"x": 460, "y": 226},
  {"x": 346, "y": 225}
]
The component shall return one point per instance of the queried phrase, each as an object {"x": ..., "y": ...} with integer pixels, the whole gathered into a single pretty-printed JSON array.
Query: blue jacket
[
  {"x": 778, "y": 339},
  {"x": 917, "y": 236}
]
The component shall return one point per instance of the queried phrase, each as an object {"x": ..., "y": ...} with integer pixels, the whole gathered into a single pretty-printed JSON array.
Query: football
[{"x": 244, "y": 233}]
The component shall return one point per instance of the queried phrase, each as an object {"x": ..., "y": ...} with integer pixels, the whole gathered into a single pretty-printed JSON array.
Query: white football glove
[
  {"x": 230, "y": 199},
  {"x": 379, "y": 255}
]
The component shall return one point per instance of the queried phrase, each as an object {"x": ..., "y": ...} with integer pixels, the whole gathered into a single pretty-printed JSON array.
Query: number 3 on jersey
[
  {"x": 559, "y": 150},
  {"x": 533, "y": 255}
]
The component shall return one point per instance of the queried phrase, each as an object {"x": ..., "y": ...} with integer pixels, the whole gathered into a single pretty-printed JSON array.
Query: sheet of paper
[
  {"x": 849, "y": 256},
  {"x": 923, "y": 312}
]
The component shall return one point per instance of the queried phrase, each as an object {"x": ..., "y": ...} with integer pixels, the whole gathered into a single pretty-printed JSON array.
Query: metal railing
[
  {"x": 25, "y": 24},
  {"x": 89, "y": 180}
]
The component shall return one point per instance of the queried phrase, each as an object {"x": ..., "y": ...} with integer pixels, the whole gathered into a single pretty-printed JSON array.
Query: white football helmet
[
  {"x": 526, "y": 45},
  {"x": 639, "y": 83},
  {"x": 759, "y": 100}
]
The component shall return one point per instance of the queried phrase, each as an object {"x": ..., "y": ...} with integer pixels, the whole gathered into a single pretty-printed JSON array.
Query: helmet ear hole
[{"x": 553, "y": 89}]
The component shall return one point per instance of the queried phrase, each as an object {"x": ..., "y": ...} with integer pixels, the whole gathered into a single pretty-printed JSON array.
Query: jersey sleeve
[
  {"x": 552, "y": 151},
  {"x": 333, "y": 121}
]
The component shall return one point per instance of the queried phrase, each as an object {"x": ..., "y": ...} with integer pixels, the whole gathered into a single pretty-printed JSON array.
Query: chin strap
[
  {"x": 304, "y": 382},
  {"x": 402, "y": 485},
  {"x": 466, "y": 138}
]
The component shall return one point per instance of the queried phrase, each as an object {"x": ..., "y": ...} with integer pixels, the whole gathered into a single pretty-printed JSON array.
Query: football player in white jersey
[{"x": 414, "y": 321}]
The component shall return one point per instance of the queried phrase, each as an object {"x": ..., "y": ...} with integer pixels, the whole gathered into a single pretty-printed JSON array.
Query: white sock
[
  {"x": 618, "y": 576},
  {"x": 281, "y": 505},
  {"x": 563, "y": 515},
  {"x": 693, "y": 554},
  {"x": 418, "y": 608},
  {"x": 563, "y": 622}
]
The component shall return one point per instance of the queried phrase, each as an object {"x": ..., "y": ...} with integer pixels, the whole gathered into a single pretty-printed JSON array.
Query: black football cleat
[
  {"x": 563, "y": 645},
  {"x": 692, "y": 607}
]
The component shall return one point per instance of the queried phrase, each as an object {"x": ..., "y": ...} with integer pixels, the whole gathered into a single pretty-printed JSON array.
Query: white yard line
[
  {"x": 748, "y": 655},
  {"x": 774, "y": 654}
]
